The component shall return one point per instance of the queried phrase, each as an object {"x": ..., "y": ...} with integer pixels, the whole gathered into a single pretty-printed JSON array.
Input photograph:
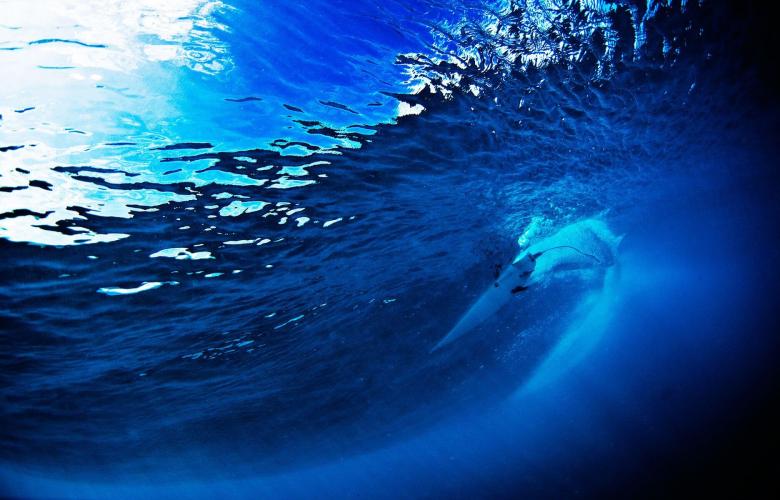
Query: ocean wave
[{"x": 239, "y": 229}]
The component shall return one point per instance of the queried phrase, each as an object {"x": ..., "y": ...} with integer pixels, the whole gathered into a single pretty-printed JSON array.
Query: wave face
[{"x": 232, "y": 232}]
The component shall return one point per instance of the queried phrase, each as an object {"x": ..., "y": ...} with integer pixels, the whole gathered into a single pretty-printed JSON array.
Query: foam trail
[{"x": 589, "y": 322}]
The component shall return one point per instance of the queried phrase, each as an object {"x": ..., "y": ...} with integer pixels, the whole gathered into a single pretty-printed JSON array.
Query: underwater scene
[{"x": 389, "y": 249}]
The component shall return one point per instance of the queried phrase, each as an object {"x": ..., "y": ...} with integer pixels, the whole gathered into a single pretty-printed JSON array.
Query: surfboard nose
[{"x": 487, "y": 305}]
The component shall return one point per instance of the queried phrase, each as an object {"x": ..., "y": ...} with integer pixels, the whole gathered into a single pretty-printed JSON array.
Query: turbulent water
[{"x": 232, "y": 233}]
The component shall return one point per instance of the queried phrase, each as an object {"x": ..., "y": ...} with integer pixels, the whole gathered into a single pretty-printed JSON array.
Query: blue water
[{"x": 232, "y": 233}]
